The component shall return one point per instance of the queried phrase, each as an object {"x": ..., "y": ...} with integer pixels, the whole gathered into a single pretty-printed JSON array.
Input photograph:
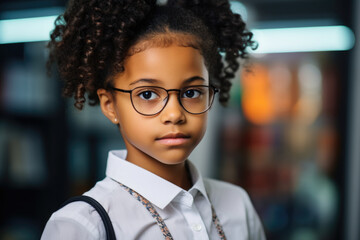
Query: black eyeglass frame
[{"x": 167, "y": 91}]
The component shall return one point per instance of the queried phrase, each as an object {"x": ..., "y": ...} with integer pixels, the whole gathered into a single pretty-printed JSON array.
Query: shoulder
[
  {"x": 79, "y": 220},
  {"x": 221, "y": 189},
  {"x": 103, "y": 192},
  {"x": 226, "y": 194},
  {"x": 233, "y": 205}
]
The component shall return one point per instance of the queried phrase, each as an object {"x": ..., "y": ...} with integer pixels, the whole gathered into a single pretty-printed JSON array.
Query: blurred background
[{"x": 290, "y": 135}]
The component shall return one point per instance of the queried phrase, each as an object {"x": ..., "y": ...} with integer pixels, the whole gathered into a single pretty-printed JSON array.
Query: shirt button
[{"x": 196, "y": 227}]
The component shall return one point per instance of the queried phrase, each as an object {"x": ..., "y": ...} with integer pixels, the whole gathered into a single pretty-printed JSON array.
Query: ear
[{"x": 107, "y": 104}]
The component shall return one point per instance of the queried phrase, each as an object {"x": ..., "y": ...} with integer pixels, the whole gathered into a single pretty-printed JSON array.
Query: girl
[{"x": 154, "y": 69}]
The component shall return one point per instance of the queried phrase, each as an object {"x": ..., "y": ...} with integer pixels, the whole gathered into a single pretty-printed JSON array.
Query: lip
[{"x": 173, "y": 139}]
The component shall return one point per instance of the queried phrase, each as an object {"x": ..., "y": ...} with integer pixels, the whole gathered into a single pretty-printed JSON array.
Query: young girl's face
[{"x": 169, "y": 136}]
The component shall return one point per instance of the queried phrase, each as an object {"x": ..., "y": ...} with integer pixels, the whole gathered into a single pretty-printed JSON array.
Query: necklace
[{"x": 160, "y": 222}]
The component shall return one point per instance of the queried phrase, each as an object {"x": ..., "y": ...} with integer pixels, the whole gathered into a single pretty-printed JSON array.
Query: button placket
[
  {"x": 196, "y": 223},
  {"x": 192, "y": 215}
]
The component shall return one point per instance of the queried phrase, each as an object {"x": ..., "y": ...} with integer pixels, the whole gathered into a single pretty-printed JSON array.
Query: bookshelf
[{"x": 33, "y": 127}]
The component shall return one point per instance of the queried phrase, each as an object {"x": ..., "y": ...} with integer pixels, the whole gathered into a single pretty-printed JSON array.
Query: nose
[{"x": 173, "y": 113}]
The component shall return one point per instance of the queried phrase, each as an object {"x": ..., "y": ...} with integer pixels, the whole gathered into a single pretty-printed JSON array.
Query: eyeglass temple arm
[{"x": 120, "y": 90}]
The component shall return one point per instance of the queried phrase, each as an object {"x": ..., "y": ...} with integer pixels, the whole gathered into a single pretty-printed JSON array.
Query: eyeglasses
[{"x": 150, "y": 100}]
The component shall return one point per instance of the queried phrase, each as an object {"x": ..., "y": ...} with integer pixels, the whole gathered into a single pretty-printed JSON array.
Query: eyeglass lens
[{"x": 151, "y": 100}]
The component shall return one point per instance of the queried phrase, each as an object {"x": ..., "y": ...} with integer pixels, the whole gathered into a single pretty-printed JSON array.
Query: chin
[{"x": 173, "y": 157}]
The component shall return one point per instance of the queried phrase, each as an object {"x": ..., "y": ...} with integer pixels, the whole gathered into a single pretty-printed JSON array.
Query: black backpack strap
[{"x": 110, "y": 234}]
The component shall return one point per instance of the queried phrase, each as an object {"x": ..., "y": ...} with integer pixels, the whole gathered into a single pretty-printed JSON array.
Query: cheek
[
  {"x": 134, "y": 125},
  {"x": 198, "y": 125},
  {"x": 131, "y": 123}
]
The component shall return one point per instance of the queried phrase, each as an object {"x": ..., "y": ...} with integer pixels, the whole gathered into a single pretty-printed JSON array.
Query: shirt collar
[
  {"x": 157, "y": 190},
  {"x": 198, "y": 183}
]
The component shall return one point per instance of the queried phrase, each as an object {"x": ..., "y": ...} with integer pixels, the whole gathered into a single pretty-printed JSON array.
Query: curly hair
[{"x": 92, "y": 39}]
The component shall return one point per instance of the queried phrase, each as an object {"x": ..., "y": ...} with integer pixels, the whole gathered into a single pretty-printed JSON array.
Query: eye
[
  {"x": 148, "y": 95},
  {"x": 191, "y": 93}
]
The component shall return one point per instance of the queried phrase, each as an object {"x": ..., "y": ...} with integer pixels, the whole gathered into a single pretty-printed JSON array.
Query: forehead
[
  {"x": 162, "y": 40},
  {"x": 169, "y": 65}
]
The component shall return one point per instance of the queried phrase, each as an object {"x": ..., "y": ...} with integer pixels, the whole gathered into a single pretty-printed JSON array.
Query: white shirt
[{"x": 187, "y": 214}]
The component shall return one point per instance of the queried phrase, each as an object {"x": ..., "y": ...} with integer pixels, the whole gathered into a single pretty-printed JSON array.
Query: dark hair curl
[{"x": 92, "y": 39}]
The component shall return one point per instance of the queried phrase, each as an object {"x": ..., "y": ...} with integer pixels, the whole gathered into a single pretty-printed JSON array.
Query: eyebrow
[
  {"x": 145, "y": 80},
  {"x": 192, "y": 79},
  {"x": 154, "y": 81}
]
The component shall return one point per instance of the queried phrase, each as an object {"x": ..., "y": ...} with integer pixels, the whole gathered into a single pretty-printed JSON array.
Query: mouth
[{"x": 173, "y": 139}]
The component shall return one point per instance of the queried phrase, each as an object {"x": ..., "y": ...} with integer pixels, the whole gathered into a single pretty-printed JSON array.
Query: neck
[{"x": 177, "y": 174}]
